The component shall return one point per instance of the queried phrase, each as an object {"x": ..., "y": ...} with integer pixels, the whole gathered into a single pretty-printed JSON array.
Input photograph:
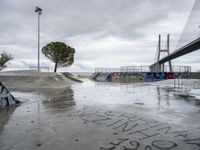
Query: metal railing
[
  {"x": 138, "y": 69},
  {"x": 175, "y": 68},
  {"x": 135, "y": 69},
  {"x": 42, "y": 69},
  {"x": 123, "y": 69}
]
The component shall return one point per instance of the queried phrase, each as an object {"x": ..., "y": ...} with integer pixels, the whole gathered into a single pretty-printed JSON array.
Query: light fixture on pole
[{"x": 39, "y": 11}]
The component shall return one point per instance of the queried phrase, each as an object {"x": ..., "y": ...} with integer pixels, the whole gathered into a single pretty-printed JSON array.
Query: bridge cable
[{"x": 191, "y": 30}]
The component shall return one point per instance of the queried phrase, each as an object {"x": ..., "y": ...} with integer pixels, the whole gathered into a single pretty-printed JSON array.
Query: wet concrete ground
[{"x": 105, "y": 116}]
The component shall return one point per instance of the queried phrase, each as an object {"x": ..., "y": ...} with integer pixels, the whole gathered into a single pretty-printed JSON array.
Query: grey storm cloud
[{"x": 103, "y": 32}]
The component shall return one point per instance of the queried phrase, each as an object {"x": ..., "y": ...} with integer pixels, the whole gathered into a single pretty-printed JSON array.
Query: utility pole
[{"x": 39, "y": 11}]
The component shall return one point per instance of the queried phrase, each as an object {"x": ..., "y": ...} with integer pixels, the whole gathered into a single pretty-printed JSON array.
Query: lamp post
[{"x": 39, "y": 11}]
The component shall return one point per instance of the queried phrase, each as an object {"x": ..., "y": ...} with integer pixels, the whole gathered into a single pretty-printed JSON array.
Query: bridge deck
[{"x": 192, "y": 46}]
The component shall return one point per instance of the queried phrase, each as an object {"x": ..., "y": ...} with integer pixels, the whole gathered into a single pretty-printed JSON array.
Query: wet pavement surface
[{"x": 104, "y": 116}]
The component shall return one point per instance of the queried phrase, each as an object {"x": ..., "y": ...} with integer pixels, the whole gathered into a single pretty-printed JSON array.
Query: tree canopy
[
  {"x": 59, "y": 53},
  {"x": 4, "y": 58}
]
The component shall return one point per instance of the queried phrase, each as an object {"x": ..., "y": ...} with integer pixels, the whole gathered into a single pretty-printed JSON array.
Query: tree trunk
[{"x": 55, "y": 69}]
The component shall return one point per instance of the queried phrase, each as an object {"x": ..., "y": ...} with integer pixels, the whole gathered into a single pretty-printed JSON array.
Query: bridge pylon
[{"x": 161, "y": 67}]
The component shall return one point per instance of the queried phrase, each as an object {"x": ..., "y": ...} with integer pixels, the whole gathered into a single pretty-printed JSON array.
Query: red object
[{"x": 170, "y": 76}]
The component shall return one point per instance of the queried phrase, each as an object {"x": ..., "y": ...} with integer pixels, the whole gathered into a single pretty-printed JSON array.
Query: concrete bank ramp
[
  {"x": 94, "y": 76},
  {"x": 6, "y": 98},
  {"x": 27, "y": 80},
  {"x": 101, "y": 77},
  {"x": 71, "y": 77}
]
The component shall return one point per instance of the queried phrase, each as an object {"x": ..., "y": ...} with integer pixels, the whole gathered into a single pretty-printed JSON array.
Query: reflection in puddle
[
  {"x": 5, "y": 115},
  {"x": 164, "y": 98},
  {"x": 93, "y": 115},
  {"x": 166, "y": 95},
  {"x": 184, "y": 93},
  {"x": 58, "y": 101}
]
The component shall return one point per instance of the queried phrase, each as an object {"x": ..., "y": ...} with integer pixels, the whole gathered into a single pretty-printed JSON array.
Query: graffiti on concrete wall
[
  {"x": 126, "y": 75},
  {"x": 148, "y": 76},
  {"x": 6, "y": 97},
  {"x": 157, "y": 76}
]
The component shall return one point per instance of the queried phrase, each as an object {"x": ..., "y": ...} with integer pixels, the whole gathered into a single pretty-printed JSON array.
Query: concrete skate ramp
[
  {"x": 94, "y": 76},
  {"x": 6, "y": 98},
  {"x": 29, "y": 80},
  {"x": 71, "y": 77}
]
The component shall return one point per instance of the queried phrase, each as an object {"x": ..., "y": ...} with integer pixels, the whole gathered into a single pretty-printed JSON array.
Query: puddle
[{"x": 94, "y": 115}]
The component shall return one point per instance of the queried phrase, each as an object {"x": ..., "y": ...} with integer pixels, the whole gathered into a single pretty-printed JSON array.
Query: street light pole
[{"x": 39, "y": 11}]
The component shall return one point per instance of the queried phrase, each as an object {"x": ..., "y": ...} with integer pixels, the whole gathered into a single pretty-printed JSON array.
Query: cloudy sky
[{"x": 105, "y": 33}]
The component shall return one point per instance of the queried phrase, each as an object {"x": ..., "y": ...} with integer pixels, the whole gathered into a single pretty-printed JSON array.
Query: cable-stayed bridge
[{"x": 188, "y": 42}]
